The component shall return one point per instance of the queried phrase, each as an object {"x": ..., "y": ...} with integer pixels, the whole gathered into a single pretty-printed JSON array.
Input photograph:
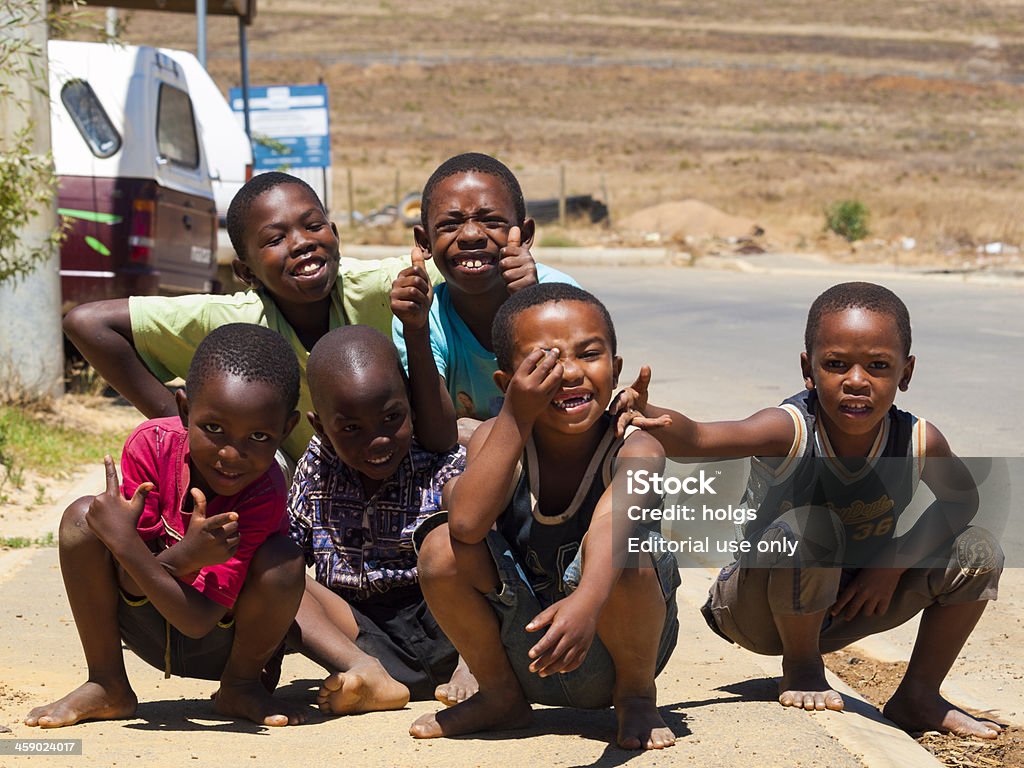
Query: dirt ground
[
  {"x": 876, "y": 680},
  {"x": 767, "y": 111}
]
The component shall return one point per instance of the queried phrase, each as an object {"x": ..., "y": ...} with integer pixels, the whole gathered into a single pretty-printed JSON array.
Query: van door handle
[
  {"x": 161, "y": 160},
  {"x": 187, "y": 221}
]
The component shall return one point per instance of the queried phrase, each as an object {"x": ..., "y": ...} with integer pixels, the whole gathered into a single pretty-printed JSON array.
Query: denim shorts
[{"x": 590, "y": 686}]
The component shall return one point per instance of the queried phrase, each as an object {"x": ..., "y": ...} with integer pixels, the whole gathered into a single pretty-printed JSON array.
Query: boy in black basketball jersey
[
  {"x": 525, "y": 580},
  {"x": 834, "y": 467}
]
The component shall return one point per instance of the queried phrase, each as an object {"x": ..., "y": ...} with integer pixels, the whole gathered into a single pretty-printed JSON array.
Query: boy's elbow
[
  {"x": 465, "y": 534},
  {"x": 441, "y": 441},
  {"x": 87, "y": 324},
  {"x": 196, "y": 627},
  {"x": 76, "y": 324},
  {"x": 199, "y": 623}
]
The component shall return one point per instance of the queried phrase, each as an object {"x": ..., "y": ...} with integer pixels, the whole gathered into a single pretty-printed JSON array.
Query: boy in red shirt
[{"x": 187, "y": 561}]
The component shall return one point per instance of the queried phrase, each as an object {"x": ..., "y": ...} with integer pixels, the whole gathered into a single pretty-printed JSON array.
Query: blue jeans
[{"x": 590, "y": 686}]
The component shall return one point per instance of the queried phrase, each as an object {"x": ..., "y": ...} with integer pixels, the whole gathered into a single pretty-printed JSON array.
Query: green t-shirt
[{"x": 167, "y": 330}]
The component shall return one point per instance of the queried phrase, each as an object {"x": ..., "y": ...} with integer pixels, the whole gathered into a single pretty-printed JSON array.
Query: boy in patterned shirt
[{"x": 361, "y": 489}]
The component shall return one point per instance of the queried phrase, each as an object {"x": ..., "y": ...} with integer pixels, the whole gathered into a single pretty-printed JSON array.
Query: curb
[
  {"x": 860, "y": 728},
  {"x": 782, "y": 263}
]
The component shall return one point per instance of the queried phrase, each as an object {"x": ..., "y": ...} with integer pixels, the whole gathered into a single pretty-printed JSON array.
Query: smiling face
[
  {"x": 291, "y": 248},
  {"x": 857, "y": 364},
  {"x": 367, "y": 419},
  {"x": 590, "y": 369},
  {"x": 234, "y": 428},
  {"x": 467, "y": 226}
]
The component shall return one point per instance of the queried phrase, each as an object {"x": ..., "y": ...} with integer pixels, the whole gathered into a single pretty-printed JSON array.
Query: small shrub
[
  {"x": 848, "y": 219},
  {"x": 557, "y": 239}
]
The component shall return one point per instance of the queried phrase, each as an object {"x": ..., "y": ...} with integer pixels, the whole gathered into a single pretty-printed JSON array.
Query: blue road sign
[{"x": 294, "y": 118}]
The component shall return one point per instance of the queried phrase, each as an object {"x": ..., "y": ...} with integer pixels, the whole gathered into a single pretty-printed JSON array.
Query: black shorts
[
  {"x": 398, "y": 629},
  {"x": 153, "y": 639}
]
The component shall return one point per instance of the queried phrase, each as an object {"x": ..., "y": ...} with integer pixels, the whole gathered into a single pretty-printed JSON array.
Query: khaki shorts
[{"x": 746, "y": 597}]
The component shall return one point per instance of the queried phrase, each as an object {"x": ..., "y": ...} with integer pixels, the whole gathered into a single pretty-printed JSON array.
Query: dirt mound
[{"x": 693, "y": 218}]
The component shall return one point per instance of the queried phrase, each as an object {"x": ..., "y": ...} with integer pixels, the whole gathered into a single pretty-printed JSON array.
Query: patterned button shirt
[{"x": 362, "y": 546}]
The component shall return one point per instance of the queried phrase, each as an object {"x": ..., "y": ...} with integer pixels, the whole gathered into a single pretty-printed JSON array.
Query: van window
[
  {"x": 176, "y": 128},
  {"x": 90, "y": 118}
]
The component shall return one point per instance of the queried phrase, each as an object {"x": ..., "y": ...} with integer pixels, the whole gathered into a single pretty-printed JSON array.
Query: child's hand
[
  {"x": 208, "y": 540},
  {"x": 535, "y": 382},
  {"x": 870, "y": 592},
  {"x": 573, "y": 622},
  {"x": 517, "y": 264},
  {"x": 629, "y": 405},
  {"x": 111, "y": 516},
  {"x": 412, "y": 293}
]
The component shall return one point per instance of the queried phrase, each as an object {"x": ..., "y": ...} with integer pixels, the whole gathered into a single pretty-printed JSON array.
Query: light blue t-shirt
[{"x": 468, "y": 369}]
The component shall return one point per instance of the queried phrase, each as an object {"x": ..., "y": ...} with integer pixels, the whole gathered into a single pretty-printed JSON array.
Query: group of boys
[{"x": 455, "y": 481}]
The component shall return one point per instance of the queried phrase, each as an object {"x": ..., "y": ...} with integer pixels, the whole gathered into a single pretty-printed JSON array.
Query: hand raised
[
  {"x": 534, "y": 383},
  {"x": 209, "y": 540},
  {"x": 518, "y": 268},
  {"x": 629, "y": 404},
  {"x": 111, "y": 516},
  {"x": 412, "y": 292}
]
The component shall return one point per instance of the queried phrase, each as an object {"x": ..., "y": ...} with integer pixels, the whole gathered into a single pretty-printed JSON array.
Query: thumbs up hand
[
  {"x": 208, "y": 540},
  {"x": 517, "y": 265},
  {"x": 111, "y": 516},
  {"x": 412, "y": 292}
]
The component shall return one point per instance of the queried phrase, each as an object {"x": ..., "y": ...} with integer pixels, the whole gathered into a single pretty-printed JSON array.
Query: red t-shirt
[{"x": 157, "y": 452}]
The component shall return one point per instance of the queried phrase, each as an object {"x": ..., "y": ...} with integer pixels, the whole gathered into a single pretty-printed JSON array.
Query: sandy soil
[{"x": 876, "y": 680}]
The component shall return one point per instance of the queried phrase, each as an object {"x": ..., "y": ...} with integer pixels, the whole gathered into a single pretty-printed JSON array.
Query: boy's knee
[
  {"x": 436, "y": 559},
  {"x": 980, "y": 560},
  {"x": 644, "y": 578},
  {"x": 74, "y": 528},
  {"x": 279, "y": 563},
  {"x": 813, "y": 537}
]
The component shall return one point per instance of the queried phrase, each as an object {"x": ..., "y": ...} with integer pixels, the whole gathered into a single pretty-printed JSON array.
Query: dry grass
[{"x": 767, "y": 110}]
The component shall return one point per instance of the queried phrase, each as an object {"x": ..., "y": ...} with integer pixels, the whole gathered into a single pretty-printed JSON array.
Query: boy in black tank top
[
  {"x": 832, "y": 470},
  {"x": 544, "y": 609}
]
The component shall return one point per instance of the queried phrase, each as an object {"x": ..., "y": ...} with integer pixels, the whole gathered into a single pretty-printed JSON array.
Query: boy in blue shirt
[{"x": 474, "y": 227}]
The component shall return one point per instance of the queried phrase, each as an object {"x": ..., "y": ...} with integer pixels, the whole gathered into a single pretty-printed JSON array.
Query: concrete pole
[
  {"x": 31, "y": 344},
  {"x": 111, "y": 25}
]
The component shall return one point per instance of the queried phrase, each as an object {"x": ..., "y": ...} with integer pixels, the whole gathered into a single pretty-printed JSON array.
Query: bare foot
[
  {"x": 252, "y": 701},
  {"x": 459, "y": 688},
  {"x": 361, "y": 689},
  {"x": 641, "y": 725},
  {"x": 89, "y": 701},
  {"x": 930, "y": 712},
  {"x": 804, "y": 686},
  {"x": 484, "y": 711}
]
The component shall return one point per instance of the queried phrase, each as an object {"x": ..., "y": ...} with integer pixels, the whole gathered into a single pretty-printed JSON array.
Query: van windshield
[
  {"x": 90, "y": 118},
  {"x": 176, "y": 128}
]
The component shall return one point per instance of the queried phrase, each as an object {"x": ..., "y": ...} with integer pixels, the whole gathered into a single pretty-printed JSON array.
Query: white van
[
  {"x": 227, "y": 147},
  {"x": 132, "y": 175}
]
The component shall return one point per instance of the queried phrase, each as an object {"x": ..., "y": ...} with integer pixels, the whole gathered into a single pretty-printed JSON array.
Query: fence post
[
  {"x": 561, "y": 195},
  {"x": 351, "y": 200}
]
